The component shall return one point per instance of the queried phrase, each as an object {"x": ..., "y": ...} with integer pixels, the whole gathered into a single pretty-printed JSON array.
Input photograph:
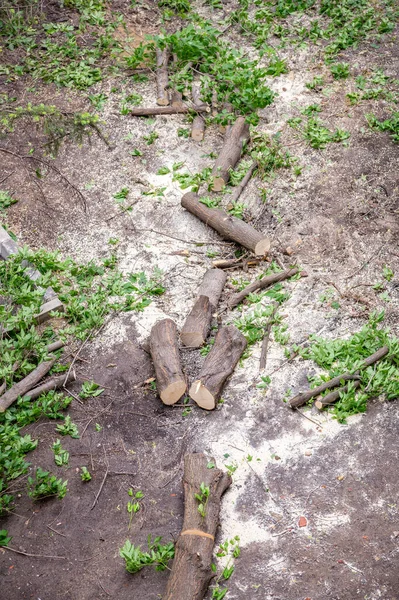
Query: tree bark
[
  {"x": 54, "y": 383},
  {"x": 153, "y": 111},
  {"x": 198, "y": 129},
  {"x": 162, "y": 59},
  {"x": 191, "y": 569},
  {"x": 218, "y": 366},
  {"x": 23, "y": 386},
  {"x": 228, "y": 226},
  {"x": 230, "y": 153},
  {"x": 198, "y": 323},
  {"x": 171, "y": 383},
  {"x": 260, "y": 284},
  {"x": 303, "y": 397},
  {"x": 240, "y": 188},
  {"x": 334, "y": 396}
]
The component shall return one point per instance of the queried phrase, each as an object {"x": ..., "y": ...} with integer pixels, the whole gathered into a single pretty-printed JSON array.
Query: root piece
[
  {"x": 260, "y": 284},
  {"x": 230, "y": 153},
  {"x": 198, "y": 323},
  {"x": 218, "y": 366},
  {"x": 171, "y": 383},
  {"x": 23, "y": 386},
  {"x": 302, "y": 398},
  {"x": 235, "y": 263},
  {"x": 166, "y": 110},
  {"x": 191, "y": 569},
  {"x": 228, "y": 226},
  {"x": 162, "y": 57}
]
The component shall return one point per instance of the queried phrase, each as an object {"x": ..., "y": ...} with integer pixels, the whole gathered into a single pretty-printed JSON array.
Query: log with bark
[
  {"x": 334, "y": 396},
  {"x": 228, "y": 226},
  {"x": 218, "y": 366},
  {"x": 198, "y": 323},
  {"x": 230, "y": 153},
  {"x": 153, "y": 111},
  {"x": 240, "y": 188},
  {"x": 171, "y": 383},
  {"x": 260, "y": 284},
  {"x": 23, "y": 386},
  {"x": 55, "y": 346},
  {"x": 162, "y": 59},
  {"x": 55, "y": 383},
  {"x": 303, "y": 397},
  {"x": 191, "y": 569}
]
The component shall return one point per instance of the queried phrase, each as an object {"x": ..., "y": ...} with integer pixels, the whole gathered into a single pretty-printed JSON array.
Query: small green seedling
[
  {"x": 61, "y": 456},
  {"x": 202, "y": 497},
  {"x": 133, "y": 507},
  {"x": 68, "y": 428},
  {"x": 90, "y": 389},
  {"x": 85, "y": 474}
]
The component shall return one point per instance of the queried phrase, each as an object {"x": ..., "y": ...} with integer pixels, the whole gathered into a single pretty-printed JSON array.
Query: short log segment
[
  {"x": 334, "y": 396},
  {"x": 162, "y": 58},
  {"x": 191, "y": 569},
  {"x": 302, "y": 398},
  {"x": 218, "y": 366},
  {"x": 260, "y": 284},
  {"x": 55, "y": 383},
  {"x": 198, "y": 323},
  {"x": 171, "y": 383},
  {"x": 230, "y": 153},
  {"x": 23, "y": 386},
  {"x": 228, "y": 226}
]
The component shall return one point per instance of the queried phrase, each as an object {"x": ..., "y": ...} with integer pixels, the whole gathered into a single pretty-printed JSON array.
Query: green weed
[
  {"x": 158, "y": 556},
  {"x": 44, "y": 485}
]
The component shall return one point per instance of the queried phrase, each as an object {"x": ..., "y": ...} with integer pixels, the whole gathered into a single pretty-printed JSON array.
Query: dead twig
[
  {"x": 102, "y": 483},
  {"x": 33, "y": 555}
]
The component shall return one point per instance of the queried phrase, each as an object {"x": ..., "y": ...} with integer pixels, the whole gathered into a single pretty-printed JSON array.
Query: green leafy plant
[
  {"x": 90, "y": 389},
  {"x": 387, "y": 273},
  {"x": 5, "y": 539},
  {"x": 202, "y": 498},
  {"x": 158, "y": 556},
  {"x": 68, "y": 428},
  {"x": 85, "y": 474},
  {"x": 134, "y": 507},
  {"x": 6, "y": 200},
  {"x": 150, "y": 138},
  {"x": 390, "y": 125},
  {"x": 61, "y": 456},
  {"x": 339, "y": 70},
  {"x": 44, "y": 485}
]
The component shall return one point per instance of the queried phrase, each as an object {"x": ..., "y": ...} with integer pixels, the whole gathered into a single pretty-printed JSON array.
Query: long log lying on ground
[
  {"x": 240, "y": 188},
  {"x": 260, "y": 284},
  {"x": 191, "y": 569},
  {"x": 302, "y": 398},
  {"x": 198, "y": 322},
  {"x": 218, "y": 366},
  {"x": 228, "y": 226},
  {"x": 55, "y": 383},
  {"x": 171, "y": 383},
  {"x": 26, "y": 384},
  {"x": 153, "y": 111},
  {"x": 162, "y": 59},
  {"x": 230, "y": 153}
]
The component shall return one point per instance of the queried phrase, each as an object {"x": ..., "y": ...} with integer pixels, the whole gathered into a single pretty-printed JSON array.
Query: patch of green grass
[{"x": 317, "y": 134}]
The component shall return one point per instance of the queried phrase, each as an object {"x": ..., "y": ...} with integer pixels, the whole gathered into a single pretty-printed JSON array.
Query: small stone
[
  {"x": 308, "y": 453},
  {"x": 302, "y": 522},
  {"x": 288, "y": 251}
]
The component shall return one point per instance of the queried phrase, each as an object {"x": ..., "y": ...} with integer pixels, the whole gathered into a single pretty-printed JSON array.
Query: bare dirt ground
[{"x": 341, "y": 218}]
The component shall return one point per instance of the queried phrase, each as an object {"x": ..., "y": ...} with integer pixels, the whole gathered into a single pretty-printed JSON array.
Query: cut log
[
  {"x": 171, "y": 383},
  {"x": 212, "y": 286},
  {"x": 198, "y": 129},
  {"x": 218, "y": 366},
  {"x": 230, "y": 153},
  {"x": 23, "y": 386},
  {"x": 198, "y": 323},
  {"x": 162, "y": 59},
  {"x": 196, "y": 94},
  {"x": 260, "y": 284},
  {"x": 166, "y": 110},
  {"x": 55, "y": 346},
  {"x": 240, "y": 188},
  {"x": 228, "y": 226},
  {"x": 235, "y": 263},
  {"x": 302, "y": 398},
  {"x": 334, "y": 396},
  {"x": 191, "y": 569},
  {"x": 55, "y": 383}
]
